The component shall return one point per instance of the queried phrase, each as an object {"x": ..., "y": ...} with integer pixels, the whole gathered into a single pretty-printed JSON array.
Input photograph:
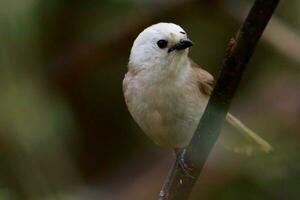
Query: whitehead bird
[{"x": 166, "y": 92}]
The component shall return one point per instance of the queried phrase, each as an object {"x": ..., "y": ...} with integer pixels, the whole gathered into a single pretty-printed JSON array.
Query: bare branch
[
  {"x": 278, "y": 34},
  {"x": 181, "y": 180}
]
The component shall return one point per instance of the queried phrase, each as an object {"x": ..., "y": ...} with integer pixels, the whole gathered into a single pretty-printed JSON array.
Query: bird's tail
[{"x": 248, "y": 133}]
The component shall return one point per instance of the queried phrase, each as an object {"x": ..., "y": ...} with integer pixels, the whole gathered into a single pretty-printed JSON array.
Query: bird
[{"x": 166, "y": 92}]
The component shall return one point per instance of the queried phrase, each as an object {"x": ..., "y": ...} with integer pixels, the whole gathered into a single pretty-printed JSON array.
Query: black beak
[{"x": 182, "y": 44}]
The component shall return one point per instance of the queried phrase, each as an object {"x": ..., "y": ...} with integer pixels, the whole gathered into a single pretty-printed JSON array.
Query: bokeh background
[{"x": 65, "y": 132}]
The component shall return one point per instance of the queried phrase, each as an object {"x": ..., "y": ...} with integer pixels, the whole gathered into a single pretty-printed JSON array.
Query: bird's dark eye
[{"x": 162, "y": 43}]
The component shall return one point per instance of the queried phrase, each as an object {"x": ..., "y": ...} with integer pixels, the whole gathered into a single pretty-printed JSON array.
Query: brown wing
[{"x": 205, "y": 79}]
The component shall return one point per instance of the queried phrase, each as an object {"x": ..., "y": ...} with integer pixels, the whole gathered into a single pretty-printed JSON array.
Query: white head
[{"x": 159, "y": 45}]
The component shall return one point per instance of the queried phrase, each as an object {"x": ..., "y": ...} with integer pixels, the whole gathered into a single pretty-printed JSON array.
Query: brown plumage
[{"x": 206, "y": 80}]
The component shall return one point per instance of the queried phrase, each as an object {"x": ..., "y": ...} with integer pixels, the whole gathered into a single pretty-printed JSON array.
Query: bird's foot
[{"x": 184, "y": 166}]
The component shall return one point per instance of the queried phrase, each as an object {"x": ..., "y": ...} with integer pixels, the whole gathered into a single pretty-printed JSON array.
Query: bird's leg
[{"x": 179, "y": 152}]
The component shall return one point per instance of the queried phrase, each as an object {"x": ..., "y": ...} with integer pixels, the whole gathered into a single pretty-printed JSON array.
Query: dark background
[{"x": 65, "y": 132}]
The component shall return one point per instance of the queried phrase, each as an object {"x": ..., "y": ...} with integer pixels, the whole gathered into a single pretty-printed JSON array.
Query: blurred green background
[{"x": 65, "y": 132}]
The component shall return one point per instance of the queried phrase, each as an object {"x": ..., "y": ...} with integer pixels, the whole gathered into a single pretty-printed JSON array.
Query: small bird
[{"x": 166, "y": 92}]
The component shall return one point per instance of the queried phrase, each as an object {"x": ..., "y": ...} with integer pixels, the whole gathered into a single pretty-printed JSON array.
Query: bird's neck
[{"x": 170, "y": 70}]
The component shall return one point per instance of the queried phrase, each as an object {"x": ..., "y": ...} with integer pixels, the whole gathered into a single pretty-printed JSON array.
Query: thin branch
[
  {"x": 181, "y": 180},
  {"x": 278, "y": 34}
]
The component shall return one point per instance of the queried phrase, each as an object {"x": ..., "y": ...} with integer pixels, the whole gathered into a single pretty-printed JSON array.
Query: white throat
[{"x": 173, "y": 67}]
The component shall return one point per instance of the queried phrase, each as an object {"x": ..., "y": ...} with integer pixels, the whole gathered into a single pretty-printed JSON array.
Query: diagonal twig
[
  {"x": 286, "y": 40},
  {"x": 180, "y": 182}
]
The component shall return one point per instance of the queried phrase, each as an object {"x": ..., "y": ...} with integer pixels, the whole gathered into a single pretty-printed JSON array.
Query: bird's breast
[{"x": 168, "y": 111}]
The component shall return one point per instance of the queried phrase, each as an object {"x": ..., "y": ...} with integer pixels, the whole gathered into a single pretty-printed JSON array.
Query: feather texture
[{"x": 206, "y": 86}]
